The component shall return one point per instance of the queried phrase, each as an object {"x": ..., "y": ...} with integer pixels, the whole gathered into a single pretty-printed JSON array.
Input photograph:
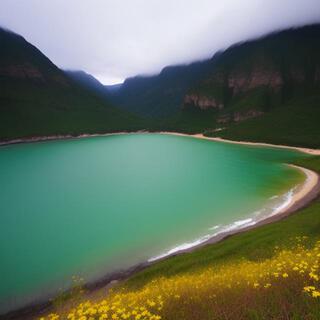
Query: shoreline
[
  {"x": 306, "y": 192},
  {"x": 196, "y": 135},
  {"x": 248, "y": 143},
  {"x": 61, "y": 137}
]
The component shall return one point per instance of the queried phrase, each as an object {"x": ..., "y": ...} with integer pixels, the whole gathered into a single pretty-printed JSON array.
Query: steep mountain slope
[
  {"x": 264, "y": 90},
  {"x": 113, "y": 88},
  {"x": 21, "y": 61},
  {"x": 274, "y": 79},
  {"x": 255, "y": 77},
  {"x": 37, "y": 98},
  {"x": 160, "y": 95},
  {"x": 250, "y": 77},
  {"x": 296, "y": 124},
  {"x": 267, "y": 90},
  {"x": 87, "y": 81}
]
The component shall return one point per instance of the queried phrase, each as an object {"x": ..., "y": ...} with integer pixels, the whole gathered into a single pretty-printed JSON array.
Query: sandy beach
[{"x": 258, "y": 144}]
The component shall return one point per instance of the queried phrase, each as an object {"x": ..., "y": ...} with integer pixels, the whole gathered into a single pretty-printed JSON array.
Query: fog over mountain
[{"x": 114, "y": 40}]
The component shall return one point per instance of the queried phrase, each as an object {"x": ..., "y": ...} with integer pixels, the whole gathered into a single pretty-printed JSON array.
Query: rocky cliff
[
  {"x": 244, "y": 81},
  {"x": 252, "y": 78},
  {"x": 202, "y": 102}
]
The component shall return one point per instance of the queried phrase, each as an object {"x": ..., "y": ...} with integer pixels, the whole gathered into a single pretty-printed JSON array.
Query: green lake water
[{"x": 90, "y": 206}]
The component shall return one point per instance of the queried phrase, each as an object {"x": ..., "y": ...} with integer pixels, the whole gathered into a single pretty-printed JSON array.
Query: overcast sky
[{"x": 115, "y": 39}]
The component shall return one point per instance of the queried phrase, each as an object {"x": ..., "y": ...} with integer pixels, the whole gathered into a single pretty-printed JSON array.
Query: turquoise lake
[{"x": 93, "y": 205}]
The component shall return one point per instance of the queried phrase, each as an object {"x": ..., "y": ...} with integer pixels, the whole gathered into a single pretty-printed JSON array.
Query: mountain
[
  {"x": 37, "y": 98},
  {"x": 266, "y": 89},
  {"x": 87, "y": 81},
  {"x": 113, "y": 88},
  {"x": 244, "y": 81},
  {"x": 160, "y": 95},
  {"x": 255, "y": 77},
  {"x": 21, "y": 61}
]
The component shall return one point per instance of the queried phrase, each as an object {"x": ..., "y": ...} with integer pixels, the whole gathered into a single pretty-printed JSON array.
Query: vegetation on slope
[
  {"x": 265, "y": 90},
  {"x": 161, "y": 95},
  {"x": 31, "y": 109},
  {"x": 271, "y": 272},
  {"x": 296, "y": 124},
  {"x": 284, "y": 285},
  {"x": 38, "y": 99},
  {"x": 266, "y": 72},
  {"x": 272, "y": 82},
  {"x": 261, "y": 74}
]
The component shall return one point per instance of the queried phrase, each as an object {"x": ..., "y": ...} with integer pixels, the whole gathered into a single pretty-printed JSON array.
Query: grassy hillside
[
  {"x": 269, "y": 89},
  {"x": 30, "y": 109},
  {"x": 37, "y": 98},
  {"x": 87, "y": 81},
  {"x": 295, "y": 124},
  {"x": 189, "y": 121},
  {"x": 271, "y": 272},
  {"x": 265, "y": 90},
  {"x": 271, "y": 70},
  {"x": 161, "y": 95}
]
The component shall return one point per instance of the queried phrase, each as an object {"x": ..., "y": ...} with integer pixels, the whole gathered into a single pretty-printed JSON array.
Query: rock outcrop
[
  {"x": 201, "y": 102},
  {"x": 239, "y": 82},
  {"x": 252, "y": 78}
]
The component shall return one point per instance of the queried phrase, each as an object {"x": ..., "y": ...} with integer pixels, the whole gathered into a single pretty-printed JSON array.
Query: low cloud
[{"x": 115, "y": 39}]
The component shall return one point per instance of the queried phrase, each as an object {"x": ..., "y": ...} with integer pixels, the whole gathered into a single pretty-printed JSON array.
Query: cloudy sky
[{"x": 115, "y": 39}]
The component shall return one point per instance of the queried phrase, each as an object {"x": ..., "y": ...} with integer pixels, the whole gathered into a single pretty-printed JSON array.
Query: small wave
[
  {"x": 236, "y": 225},
  {"x": 188, "y": 245},
  {"x": 280, "y": 207},
  {"x": 182, "y": 247},
  {"x": 215, "y": 227}
]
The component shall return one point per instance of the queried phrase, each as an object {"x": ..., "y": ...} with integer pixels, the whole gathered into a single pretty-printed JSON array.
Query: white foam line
[
  {"x": 288, "y": 199},
  {"x": 233, "y": 226},
  {"x": 237, "y": 225},
  {"x": 182, "y": 247},
  {"x": 215, "y": 227}
]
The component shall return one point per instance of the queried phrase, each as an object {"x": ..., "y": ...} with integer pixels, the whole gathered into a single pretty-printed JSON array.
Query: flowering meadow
[{"x": 285, "y": 286}]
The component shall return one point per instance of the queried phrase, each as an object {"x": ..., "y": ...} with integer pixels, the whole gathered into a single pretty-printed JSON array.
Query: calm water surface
[{"x": 89, "y": 206}]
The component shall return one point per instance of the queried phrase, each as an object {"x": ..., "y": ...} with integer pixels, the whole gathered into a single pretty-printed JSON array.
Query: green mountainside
[
  {"x": 161, "y": 95},
  {"x": 265, "y": 90},
  {"x": 38, "y": 99},
  {"x": 87, "y": 81}
]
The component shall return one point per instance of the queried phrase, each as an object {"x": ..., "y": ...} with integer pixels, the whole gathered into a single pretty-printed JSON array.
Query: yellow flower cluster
[
  {"x": 118, "y": 306},
  {"x": 299, "y": 264}
]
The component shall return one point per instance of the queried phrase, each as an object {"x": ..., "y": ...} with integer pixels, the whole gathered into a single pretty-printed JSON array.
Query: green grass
[
  {"x": 255, "y": 244},
  {"x": 296, "y": 124},
  {"x": 187, "y": 121},
  {"x": 30, "y": 109}
]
